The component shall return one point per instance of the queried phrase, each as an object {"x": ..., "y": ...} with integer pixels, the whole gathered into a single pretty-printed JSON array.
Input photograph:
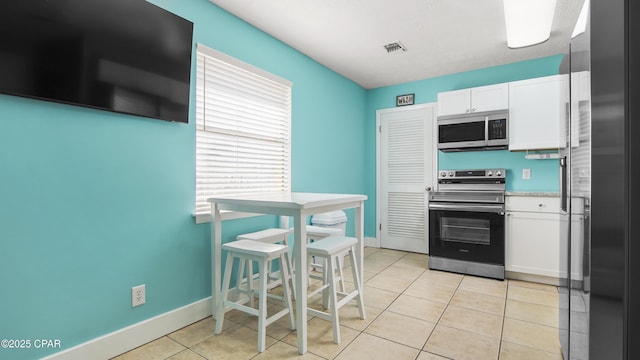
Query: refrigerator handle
[{"x": 563, "y": 183}]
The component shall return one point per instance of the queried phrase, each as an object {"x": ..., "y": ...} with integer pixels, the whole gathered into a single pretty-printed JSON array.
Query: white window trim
[
  {"x": 241, "y": 64},
  {"x": 205, "y": 217}
]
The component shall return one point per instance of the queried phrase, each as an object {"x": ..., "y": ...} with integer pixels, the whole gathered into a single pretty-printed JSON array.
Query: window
[{"x": 243, "y": 118}]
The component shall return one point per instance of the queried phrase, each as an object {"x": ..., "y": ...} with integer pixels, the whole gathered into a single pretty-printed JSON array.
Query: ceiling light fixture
[
  {"x": 395, "y": 47},
  {"x": 528, "y": 21},
  {"x": 581, "y": 24}
]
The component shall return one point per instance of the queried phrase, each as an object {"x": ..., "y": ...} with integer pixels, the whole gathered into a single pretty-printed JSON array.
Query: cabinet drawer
[{"x": 539, "y": 204}]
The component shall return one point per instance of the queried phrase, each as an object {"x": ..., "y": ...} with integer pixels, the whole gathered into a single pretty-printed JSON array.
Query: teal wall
[
  {"x": 544, "y": 173},
  {"x": 93, "y": 203}
]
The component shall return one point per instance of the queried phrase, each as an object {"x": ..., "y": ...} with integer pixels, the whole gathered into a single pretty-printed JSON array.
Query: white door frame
[{"x": 434, "y": 170}]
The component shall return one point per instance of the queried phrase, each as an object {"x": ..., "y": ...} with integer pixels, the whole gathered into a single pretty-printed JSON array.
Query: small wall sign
[{"x": 404, "y": 100}]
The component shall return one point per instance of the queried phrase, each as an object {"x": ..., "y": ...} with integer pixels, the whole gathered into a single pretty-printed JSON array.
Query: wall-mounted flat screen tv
[{"x": 127, "y": 56}]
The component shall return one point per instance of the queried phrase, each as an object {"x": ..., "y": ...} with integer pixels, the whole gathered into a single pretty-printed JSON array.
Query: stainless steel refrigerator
[{"x": 600, "y": 172}]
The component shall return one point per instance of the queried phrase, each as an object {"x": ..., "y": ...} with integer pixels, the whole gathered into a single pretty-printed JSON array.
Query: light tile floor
[{"x": 412, "y": 313}]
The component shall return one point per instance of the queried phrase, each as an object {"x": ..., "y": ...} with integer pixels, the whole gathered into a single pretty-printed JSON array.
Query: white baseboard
[
  {"x": 371, "y": 242},
  {"x": 133, "y": 336},
  {"x": 549, "y": 280}
]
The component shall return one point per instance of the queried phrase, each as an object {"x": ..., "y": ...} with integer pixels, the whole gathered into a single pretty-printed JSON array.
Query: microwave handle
[{"x": 486, "y": 129}]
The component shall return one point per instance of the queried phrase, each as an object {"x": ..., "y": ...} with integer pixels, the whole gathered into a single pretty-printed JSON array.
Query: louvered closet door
[{"x": 406, "y": 165}]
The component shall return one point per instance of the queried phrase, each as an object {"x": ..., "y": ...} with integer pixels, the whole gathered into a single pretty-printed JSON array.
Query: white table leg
[
  {"x": 359, "y": 222},
  {"x": 300, "y": 256},
  {"x": 216, "y": 257}
]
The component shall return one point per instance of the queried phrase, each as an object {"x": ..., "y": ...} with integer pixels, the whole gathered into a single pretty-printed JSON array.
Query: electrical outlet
[
  {"x": 137, "y": 295},
  {"x": 526, "y": 174}
]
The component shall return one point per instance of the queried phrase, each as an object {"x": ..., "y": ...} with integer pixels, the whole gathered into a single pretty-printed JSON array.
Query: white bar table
[{"x": 298, "y": 206}]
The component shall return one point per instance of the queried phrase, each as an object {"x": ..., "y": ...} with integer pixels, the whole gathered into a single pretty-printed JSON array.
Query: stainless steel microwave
[{"x": 475, "y": 131}]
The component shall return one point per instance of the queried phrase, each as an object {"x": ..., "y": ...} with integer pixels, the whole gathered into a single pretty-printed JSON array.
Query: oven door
[{"x": 467, "y": 231}]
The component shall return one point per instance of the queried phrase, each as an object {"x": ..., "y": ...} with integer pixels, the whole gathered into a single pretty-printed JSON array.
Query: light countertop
[{"x": 531, "y": 193}]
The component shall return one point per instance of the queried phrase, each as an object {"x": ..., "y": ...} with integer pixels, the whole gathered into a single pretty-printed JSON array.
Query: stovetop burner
[
  {"x": 472, "y": 174},
  {"x": 479, "y": 180}
]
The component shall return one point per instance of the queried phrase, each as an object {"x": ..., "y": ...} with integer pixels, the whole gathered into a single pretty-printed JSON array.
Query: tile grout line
[{"x": 504, "y": 317}]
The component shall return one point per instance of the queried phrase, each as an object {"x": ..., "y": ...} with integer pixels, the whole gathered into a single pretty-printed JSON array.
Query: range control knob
[
  {"x": 489, "y": 173},
  {"x": 498, "y": 173},
  {"x": 443, "y": 174},
  {"x": 451, "y": 173}
]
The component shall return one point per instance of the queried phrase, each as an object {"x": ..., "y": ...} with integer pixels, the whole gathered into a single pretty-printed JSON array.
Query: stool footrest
[
  {"x": 346, "y": 298},
  {"x": 318, "y": 290},
  {"x": 277, "y": 316},
  {"x": 244, "y": 308},
  {"x": 320, "y": 314}
]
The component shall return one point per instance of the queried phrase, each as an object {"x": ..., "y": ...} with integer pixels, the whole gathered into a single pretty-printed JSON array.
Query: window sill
[{"x": 203, "y": 218}]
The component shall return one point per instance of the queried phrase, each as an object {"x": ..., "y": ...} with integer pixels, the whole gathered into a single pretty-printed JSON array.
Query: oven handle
[{"x": 489, "y": 208}]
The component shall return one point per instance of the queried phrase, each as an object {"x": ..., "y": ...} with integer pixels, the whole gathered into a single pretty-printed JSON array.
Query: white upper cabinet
[
  {"x": 454, "y": 102},
  {"x": 538, "y": 111},
  {"x": 483, "y": 98}
]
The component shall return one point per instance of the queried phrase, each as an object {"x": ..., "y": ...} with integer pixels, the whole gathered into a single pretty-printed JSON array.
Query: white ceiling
[{"x": 442, "y": 36}]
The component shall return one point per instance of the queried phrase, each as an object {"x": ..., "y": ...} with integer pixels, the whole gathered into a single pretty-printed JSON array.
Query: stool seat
[
  {"x": 331, "y": 245},
  {"x": 256, "y": 248}
]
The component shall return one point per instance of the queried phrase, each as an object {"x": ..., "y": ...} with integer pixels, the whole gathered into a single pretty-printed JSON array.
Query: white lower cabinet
[
  {"x": 532, "y": 237},
  {"x": 533, "y": 243}
]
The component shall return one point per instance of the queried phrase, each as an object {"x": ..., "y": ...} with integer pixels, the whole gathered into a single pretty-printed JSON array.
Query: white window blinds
[{"x": 243, "y": 132}]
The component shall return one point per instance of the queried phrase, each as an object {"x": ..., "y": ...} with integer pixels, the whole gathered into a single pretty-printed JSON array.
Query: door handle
[{"x": 563, "y": 183}]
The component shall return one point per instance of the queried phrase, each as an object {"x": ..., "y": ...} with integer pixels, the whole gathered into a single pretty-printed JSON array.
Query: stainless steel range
[{"x": 466, "y": 222}]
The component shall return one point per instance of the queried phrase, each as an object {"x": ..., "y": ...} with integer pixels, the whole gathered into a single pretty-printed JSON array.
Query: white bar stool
[
  {"x": 329, "y": 249},
  {"x": 316, "y": 233},
  {"x": 272, "y": 236},
  {"x": 262, "y": 253}
]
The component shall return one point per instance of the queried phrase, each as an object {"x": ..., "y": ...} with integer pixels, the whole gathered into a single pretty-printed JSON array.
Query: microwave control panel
[{"x": 497, "y": 129}]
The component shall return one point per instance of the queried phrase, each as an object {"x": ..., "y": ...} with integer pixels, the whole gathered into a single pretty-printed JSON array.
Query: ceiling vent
[{"x": 395, "y": 47}]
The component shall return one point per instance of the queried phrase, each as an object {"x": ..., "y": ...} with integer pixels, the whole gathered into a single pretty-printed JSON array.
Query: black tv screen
[{"x": 127, "y": 56}]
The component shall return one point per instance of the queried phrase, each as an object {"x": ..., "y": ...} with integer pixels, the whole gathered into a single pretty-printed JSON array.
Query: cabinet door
[
  {"x": 532, "y": 243},
  {"x": 454, "y": 102},
  {"x": 490, "y": 97},
  {"x": 537, "y": 112}
]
